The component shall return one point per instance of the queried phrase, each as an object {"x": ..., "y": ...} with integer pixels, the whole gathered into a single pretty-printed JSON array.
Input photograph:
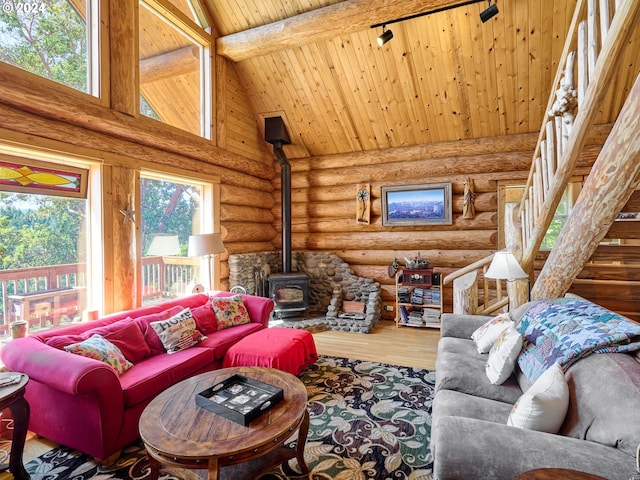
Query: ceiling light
[
  {"x": 490, "y": 12},
  {"x": 385, "y": 37}
]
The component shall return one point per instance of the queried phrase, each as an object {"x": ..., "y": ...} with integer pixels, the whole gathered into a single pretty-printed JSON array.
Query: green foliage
[
  {"x": 50, "y": 41},
  {"x": 167, "y": 207},
  {"x": 40, "y": 230}
]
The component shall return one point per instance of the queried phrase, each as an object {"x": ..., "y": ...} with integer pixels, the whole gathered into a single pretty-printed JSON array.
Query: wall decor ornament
[
  {"x": 468, "y": 203},
  {"x": 363, "y": 203},
  {"x": 428, "y": 204},
  {"x": 129, "y": 212}
]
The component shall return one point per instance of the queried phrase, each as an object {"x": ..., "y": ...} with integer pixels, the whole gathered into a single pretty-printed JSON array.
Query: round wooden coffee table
[
  {"x": 557, "y": 474},
  {"x": 178, "y": 433}
]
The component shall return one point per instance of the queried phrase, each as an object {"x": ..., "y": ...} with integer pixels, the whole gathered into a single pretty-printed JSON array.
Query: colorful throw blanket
[{"x": 564, "y": 330}]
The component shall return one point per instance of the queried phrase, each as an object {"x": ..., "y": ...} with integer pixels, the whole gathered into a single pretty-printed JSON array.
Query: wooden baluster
[{"x": 583, "y": 61}]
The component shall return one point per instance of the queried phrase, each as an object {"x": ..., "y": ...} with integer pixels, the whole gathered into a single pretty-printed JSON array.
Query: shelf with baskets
[{"x": 418, "y": 298}]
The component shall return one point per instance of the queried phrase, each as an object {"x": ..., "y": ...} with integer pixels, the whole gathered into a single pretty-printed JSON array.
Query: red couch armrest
[{"x": 58, "y": 369}]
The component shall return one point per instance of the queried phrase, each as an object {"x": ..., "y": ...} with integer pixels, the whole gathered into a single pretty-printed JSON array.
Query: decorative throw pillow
[
  {"x": 150, "y": 336},
  {"x": 544, "y": 405},
  {"x": 125, "y": 335},
  {"x": 230, "y": 311},
  {"x": 503, "y": 356},
  {"x": 99, "y": 348},
  {"x": 178, "y": 332},
  {"x": 485, "y": 336},
  {"x": 205, "y": 318}
]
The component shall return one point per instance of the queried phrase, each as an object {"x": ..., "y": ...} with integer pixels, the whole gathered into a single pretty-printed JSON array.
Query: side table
[{"x": 12, "y": 397}]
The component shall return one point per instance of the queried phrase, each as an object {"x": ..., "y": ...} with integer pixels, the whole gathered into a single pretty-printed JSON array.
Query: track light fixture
[
  {"x": 385, "y": 37},
  {"x": 388, "y": 35},
  {"x": 490, "y": 12}
]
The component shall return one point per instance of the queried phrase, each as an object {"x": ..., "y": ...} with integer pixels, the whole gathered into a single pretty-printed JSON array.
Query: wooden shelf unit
[{"x": 418, "y": 298}]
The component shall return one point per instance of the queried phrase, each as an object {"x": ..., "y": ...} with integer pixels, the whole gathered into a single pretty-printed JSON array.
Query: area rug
[{"x": 368, "y": 421}]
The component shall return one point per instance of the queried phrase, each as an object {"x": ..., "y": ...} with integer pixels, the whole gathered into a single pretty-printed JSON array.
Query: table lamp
[
  {"x": 504, "y": 266},
  {"x": 206, "y": 245}
]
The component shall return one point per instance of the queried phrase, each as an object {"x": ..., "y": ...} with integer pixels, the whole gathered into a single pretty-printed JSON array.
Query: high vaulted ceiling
[{"x": 445, "y": 76}]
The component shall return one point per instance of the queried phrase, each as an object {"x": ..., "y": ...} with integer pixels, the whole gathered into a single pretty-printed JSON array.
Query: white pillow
[
  {"x": 503, "y": 356},
  {"x": 486, "y": 335},
  {"x": 544, "y": 405},
  {"x": 178, "y": 332}
]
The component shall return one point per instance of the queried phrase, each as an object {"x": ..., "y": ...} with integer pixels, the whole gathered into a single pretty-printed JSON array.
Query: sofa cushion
[
  {"x": 230, "y": 311},
  {"x": 503, "y": 356},
  {"x": 150, "y": 335},
  {"x": 149, "y": 377},
  {"x": 544, "y": 406},
  {"x": 458, "y": 404},
  {"x": 461, "y": 346},
  {"x": 124, "y": 334},
  {"x": 205, "y": 318},
  {"x": 98, "y": 348},
  {"x": 219, "y": 342},
  {"x": 467, "y": 375},
  {"x": 604, "y": 401},
  {"x": 485, "y": 336},
  {"x": 178, "y": 332}
]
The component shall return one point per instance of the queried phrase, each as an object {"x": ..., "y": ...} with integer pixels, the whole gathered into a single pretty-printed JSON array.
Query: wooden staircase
[{"x": 596, "y": 42}]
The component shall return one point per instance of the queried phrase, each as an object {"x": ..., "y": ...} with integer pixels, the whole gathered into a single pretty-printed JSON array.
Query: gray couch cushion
[
  {"x": 457, "y": 404},
  {"x": 467, "y": 375},
  {"x": 461, "y": 346},
  {"x": 461, "y": 326},
  {"x": 604, "y": 404}
]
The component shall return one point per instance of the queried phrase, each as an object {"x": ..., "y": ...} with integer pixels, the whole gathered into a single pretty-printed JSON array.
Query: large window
[
  {"x": 173, "y": 60},
  {"x": 51, "y": 39},
  {"x": 44, "y": 247},
  {"x": 171, "y": 211}
]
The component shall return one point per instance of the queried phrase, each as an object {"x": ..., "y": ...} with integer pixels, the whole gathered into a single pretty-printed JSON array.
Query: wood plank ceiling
[{"x": 445, "y": 76}]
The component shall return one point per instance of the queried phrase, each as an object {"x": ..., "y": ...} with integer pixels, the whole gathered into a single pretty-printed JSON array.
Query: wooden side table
[
  {"x": 557, "y": 474},
  {"x": 12, "y": 397}
]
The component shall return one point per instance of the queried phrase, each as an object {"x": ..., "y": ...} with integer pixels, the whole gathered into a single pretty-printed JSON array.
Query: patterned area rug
[{"x": 368, "y": 421}]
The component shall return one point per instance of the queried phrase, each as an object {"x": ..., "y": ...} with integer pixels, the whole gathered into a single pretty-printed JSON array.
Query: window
[
  {"x": 513, "y": 193},
  {"x": 53, "y": 40},
  {"x": 173, "y": 62},
  {"x": 171, "y": 211},
  {"x": 44, "y": 248}
]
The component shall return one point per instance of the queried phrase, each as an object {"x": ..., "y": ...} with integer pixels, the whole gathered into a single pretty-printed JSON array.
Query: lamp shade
[
  {"x": 205, "y": 244},
  {"x": 164, "y": 244},
  {"x": 504, "y": 266}
]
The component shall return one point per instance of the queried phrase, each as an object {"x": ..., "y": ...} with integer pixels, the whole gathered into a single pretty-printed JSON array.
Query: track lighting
[
  {"x": 490, "y": 12},
  {"x": 385, "y": 37}
]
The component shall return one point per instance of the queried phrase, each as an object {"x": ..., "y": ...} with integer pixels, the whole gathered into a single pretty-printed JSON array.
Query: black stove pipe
[
  {"x": 276, "y": 134},
  {"x": 285, "y": 180}
]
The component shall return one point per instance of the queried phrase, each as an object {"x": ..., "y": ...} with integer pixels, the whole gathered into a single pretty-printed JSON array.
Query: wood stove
[{"x": 290, "y": 294}]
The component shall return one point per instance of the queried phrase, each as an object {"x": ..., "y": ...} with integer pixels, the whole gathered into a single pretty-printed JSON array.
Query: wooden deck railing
[
  {"x": 595, "y": 44},
  {"x": 465, "y": 290},
  {"x": 161, "y": 276}
]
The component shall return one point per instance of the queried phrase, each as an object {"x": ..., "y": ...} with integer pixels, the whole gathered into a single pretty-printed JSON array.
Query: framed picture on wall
[{"x": 428, "y": 204}]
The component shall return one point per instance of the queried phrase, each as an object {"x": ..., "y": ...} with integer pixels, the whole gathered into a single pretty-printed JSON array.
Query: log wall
[{"x": 324, "y": 204}]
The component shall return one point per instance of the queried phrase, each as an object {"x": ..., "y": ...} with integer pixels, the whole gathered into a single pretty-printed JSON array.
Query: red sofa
[{"x": 84, "y": 404}]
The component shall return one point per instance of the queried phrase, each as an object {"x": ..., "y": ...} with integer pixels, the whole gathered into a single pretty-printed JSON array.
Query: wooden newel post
[{"x": 465, "y": 294}]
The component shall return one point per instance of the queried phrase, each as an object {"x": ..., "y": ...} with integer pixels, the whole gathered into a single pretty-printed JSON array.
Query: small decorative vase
[{"x": 18, "y": 329}]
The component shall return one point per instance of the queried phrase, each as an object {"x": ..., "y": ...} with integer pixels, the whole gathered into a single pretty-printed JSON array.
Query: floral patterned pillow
[
  {"x": 230, "y": 311},
  {"x": 99, "y": 348}
]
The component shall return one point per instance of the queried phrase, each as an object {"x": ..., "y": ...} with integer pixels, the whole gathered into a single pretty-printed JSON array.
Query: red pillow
[
  {"x": 124, "y": 334},
  {"x": 150, "y": 335},
  {"x": 205, "y": 318}
]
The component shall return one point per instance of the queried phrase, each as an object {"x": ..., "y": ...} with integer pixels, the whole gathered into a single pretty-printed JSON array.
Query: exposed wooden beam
[
  {"x": 170, "y": 64},
  {"x": 321, "y": 24}
]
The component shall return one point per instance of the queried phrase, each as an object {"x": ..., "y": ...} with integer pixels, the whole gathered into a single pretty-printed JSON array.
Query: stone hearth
[{"x": 331, "y": 281}]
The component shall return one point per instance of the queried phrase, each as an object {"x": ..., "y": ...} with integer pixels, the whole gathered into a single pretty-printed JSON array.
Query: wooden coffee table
[
  {"x": 557, "y": 474},
  {"x": 178, "y": 433}
]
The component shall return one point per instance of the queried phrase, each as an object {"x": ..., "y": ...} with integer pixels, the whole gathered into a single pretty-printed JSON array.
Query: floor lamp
[
  {"x": 206, "y": 245},
  {"x": 504, "y": 266}
]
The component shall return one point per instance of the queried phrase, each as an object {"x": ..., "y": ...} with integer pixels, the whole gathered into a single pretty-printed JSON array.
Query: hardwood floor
[{"x": 406, "y": 346}]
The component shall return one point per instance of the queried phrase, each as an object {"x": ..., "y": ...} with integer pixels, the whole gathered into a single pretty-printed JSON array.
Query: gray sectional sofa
[{"x": 470, "y": 437}]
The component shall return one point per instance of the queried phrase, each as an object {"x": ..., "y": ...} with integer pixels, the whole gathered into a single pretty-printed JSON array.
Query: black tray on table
[{"x": 239, "y": 398}]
